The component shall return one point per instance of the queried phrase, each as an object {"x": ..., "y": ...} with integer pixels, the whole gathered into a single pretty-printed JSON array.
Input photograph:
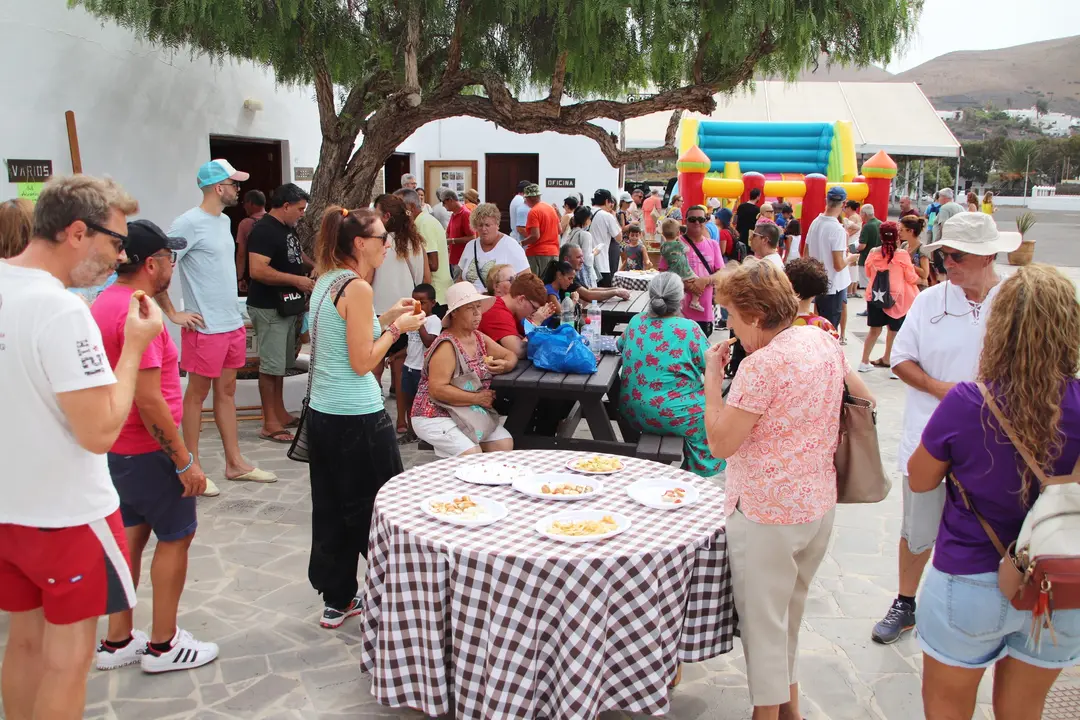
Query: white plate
[
  {"x": 543, "y": 526},
  {"x": 649, "y": 492},
  {"x": 571, "y": 464},
  {"x": 491, "y": 511},
  {"x": 532, "y": 486},
  {"x": 491, "y": 473}
]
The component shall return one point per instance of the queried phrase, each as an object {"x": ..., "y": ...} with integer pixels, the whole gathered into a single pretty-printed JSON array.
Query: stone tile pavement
[{"x": 247, "y": 590}]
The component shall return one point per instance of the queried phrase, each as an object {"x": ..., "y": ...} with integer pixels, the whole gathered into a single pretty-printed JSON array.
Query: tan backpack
[{"x": 1039, "y": 572}]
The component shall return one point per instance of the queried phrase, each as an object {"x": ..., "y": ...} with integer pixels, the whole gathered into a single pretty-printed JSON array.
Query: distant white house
[
  {"x": 952, "y": 115},
  {"x": 1058, "y": 124}
]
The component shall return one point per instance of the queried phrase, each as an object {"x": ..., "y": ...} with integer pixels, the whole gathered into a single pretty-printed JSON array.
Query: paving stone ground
[{"x": 247, "y": 590}]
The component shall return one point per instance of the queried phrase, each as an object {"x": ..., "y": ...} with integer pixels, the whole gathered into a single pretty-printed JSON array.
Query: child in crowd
[
  {"x": 634, "y": 254},
  {"x": 673, "y": 251},
  {"x": 419, "y": 341},
  {"x": 792, "y": 240},
  {"x": 809, "y": 279}
]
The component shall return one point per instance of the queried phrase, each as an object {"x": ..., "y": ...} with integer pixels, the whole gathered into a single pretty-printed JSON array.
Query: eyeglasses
[
  {"x": 105, "y": 231},
  {"x": 696, "y": 219},
  {"x": 233, "y": 183},
  {"x": 166, "y": 254},
  {"x": 956, "y": 257}
]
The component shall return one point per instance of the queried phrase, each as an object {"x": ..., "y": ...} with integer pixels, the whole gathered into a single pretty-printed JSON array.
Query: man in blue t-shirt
[{"x": 213, "y": 338}]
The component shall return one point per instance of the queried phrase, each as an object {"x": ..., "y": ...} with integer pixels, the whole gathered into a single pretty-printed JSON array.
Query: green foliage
[
  {"x": 612, "y": 45},
  {"x": 1024, "y": 222},
  {"x": 1042, "y": 106}
]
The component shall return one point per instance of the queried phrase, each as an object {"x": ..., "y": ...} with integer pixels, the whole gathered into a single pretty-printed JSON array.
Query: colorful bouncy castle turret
[
  {"x": 880, "y": 170},
  {"x": 692, "y": 166}
]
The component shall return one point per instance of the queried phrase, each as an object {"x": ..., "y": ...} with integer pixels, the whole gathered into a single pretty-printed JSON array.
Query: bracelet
[
  {"x": 190, "y": 462},
  {"x": 395, "y": 332}
]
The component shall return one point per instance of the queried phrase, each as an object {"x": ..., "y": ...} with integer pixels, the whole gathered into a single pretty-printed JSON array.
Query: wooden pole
[{"x": 73, "y": 142}]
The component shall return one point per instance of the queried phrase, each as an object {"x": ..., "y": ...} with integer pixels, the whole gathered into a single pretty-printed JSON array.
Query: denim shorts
[
  {"x": 964, "y": 621},
  {"x": 410, "y": 381}
]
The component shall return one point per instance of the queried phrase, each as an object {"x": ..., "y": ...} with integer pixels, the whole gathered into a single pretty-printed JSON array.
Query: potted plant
[{"x": 1023, "y": 254}]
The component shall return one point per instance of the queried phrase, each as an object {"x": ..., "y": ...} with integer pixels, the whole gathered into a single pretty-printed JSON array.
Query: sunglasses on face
[
  {"x": 380, "y": 238},
  {"x": 957, "y": 257},
  {"x": 105, "y": 231},
  {"x": 696, "y": 219}
]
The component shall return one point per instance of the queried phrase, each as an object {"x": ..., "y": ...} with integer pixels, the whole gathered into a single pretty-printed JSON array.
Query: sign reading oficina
[
  {"x": 560, "y": 182},
  {"x": 29, "y": 171}
]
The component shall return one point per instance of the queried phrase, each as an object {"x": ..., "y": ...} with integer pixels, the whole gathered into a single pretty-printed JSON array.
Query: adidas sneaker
[{"x": 186, "y": 653}]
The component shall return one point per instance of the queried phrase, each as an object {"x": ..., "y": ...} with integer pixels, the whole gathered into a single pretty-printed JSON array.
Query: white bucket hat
[
  {"x": 464, "y": 293},
  {"x": 975, "y": 233}
]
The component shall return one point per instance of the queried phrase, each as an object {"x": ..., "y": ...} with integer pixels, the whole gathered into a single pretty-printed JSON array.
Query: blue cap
[
  {"x": 724, "y": 215},
  {"x": 216, "y": 171},
  {"x": 836, "y": 194}
]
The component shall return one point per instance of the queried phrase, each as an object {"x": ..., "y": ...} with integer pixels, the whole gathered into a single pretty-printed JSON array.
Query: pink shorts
[{"x": 207, "y": 355}]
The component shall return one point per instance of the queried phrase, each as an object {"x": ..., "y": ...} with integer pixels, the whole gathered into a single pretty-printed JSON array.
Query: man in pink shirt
[{"x": 154, "y": 473}]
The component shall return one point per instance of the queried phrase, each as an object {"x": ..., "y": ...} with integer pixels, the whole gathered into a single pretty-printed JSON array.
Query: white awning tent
[{"x": 890, "y": 116}]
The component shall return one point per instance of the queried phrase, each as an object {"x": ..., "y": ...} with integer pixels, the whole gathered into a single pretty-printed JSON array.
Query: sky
[{"x": 949, "y": 25}]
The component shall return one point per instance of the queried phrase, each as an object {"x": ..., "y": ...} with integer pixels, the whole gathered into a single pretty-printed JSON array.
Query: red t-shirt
[
  {"x": 459, "y": 227},
  {"x": 543, "y": 216},
  {"x": 110, "y": 312},
  {"x": 498, "y": 322}
]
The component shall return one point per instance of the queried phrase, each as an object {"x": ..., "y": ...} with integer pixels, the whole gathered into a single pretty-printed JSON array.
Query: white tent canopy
[{"x": 894, "y": 117}]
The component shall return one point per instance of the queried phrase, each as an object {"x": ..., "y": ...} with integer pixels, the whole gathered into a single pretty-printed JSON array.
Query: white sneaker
[
  {"x": 865, "y": 367},
  {"x": 111, "y": 658},
  {"x": 187, "y": 653},
  {"x": 893, "y": 376},
  {"x": 211, "y": 489}
]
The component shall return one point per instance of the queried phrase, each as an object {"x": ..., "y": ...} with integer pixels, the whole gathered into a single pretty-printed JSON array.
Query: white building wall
[
  {"x": 561, "y": 156},
  {"x": 144, "y": 116}
]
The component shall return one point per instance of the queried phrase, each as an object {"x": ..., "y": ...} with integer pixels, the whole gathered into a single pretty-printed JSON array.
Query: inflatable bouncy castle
[{"x": 798, "y": 162}]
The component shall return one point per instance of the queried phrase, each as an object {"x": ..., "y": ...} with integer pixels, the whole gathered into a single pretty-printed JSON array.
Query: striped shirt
[{"x": 336, "y": 389}]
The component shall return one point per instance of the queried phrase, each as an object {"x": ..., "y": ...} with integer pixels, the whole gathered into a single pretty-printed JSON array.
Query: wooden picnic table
[
  {"x": 616, "y": 311},
  {"x": 526, "y": 385}
]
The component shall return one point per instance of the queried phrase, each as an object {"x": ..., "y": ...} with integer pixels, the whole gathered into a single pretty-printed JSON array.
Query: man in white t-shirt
[
  {"x": 939, "y": 346},
  {"x": 605, "y": 230},
  {"x": 64, "y": 409},
  {"x": 519, "y": 211},
  {"x": 826, "y": 240},
  {"x": 765, "y": 242}
]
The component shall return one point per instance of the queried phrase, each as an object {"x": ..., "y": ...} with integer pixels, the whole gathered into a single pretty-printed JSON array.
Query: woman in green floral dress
[{"x": 663, "y": 374}]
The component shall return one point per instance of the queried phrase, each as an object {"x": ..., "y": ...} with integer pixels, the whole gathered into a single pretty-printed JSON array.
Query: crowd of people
[{"x": 442, "y": 299}]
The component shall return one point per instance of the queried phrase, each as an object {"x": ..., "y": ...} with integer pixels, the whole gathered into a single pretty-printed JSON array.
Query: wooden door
[
  {"x": 396, "y": 165},
  {"x": 503, "y": 172}
]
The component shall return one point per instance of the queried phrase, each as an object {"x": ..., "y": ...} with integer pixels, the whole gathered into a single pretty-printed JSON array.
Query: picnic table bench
[
  {"x": 526, "y": 385},
  {"x": 616, "y": 311}
]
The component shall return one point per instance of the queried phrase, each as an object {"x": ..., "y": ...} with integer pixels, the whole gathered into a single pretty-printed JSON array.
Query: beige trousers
[{"x": 771, "y": 570}]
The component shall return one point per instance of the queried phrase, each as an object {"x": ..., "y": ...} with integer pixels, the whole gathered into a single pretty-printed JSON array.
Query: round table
[
  {"x": 501, "y": 622},
  {"x": 634, "y": 279}
]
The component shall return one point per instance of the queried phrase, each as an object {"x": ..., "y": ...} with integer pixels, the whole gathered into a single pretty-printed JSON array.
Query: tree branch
[
  {"x": 699, "y": 60},
  {"x": 558, "y": 80},
  {"x": 453, "y": 55},
  {"x": 324, "y": 98},
  {"x": 412, "y": 44}
]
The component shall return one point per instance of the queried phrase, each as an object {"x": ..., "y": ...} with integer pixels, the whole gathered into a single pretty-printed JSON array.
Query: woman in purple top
[{"x": 1030, "y": 359}]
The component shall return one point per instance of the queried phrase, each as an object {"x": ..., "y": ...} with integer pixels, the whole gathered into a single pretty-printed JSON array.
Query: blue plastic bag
[{"x": 560, "y": 350}]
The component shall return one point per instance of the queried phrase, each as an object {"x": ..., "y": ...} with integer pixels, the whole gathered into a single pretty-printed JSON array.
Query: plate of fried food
[
  {"x": 491, "y": 473},
  {"x": 558, "y": 486},
  {"x": 467, "y": 510},
  {"x": 582, "y": 525},
  {"x": 663, "y": 493},
  {"x": 596, "y": 464}
]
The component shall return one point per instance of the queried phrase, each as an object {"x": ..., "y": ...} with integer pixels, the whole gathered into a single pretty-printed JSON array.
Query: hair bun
[{"x": 658, "y": 305}]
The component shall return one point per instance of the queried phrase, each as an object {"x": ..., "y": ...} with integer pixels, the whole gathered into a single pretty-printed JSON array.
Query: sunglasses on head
[{"x": 697, "y": 219}]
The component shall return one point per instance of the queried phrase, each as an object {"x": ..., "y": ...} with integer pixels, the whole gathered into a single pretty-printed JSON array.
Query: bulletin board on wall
[{"x": 458, "y": 175}]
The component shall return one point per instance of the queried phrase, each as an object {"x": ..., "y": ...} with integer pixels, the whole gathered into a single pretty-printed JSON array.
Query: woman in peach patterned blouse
[{"x": 778, "y": 431}]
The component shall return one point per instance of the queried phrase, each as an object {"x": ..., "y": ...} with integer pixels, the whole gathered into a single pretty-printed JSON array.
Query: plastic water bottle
[
  {"x": 567, "y": 311},
  {"x": 592, "y": 326}
]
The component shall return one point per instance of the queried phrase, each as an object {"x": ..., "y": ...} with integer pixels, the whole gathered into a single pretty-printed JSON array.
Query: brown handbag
[
  {"x": 860, "y": 476},
  {"x": 1032, "y": 580}
]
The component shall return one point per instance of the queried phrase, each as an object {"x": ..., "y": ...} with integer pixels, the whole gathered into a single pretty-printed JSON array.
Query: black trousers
[
  {"x": 605, "y": 280},
  {"x": 352, "y": 456}
]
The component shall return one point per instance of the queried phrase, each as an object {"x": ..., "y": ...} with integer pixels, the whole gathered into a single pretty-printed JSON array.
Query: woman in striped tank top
[{"x": 353, "y": 447}]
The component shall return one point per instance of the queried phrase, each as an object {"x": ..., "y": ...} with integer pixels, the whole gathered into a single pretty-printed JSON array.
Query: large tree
[{"x": 381, "y": 69}]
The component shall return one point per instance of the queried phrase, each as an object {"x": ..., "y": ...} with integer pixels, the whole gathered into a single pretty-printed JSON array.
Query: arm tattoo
[{"x": 163, "y": 441}]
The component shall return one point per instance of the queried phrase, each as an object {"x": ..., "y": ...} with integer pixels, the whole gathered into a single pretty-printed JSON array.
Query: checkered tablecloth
[
  {"x": 633, "y": 280},
  {"x": 500, "y": 622}
]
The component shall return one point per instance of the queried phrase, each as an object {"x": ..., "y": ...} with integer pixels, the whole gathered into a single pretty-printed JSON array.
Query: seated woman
[
  {"x": 663, "y": 369},
  {"x": 965, "y": 624},
  {"x": 562, "y": 281},
  {"x": 778, "y": 430},
  {"x": 499, "y": 278},
  {"x": 573, "y": 256},
  {"x": 431, "y": 422}
]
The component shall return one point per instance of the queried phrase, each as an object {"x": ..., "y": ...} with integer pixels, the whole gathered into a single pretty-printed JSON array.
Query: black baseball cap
[{"x": 144, "y": 238}]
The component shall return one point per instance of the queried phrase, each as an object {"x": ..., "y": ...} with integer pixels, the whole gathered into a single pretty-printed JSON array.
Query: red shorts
[
  {"x": 207, "y": 355},
  {"x": 73, "y": 573}
]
